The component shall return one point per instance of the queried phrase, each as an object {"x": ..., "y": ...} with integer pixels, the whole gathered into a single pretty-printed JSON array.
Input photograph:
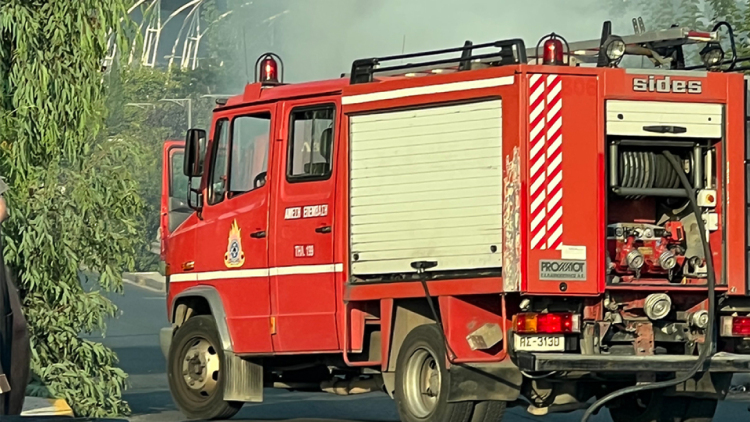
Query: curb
[
  {"x": 39, "y": 406},
  {"x": 152, "y": 280}
]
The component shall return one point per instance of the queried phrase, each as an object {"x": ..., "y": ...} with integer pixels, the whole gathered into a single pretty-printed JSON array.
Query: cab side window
[
  {"x": 311, "y": 143},
  {"x": 217, "y": 186},
  {"x": 249, "y": 162},
  {"x": 178, "y": 187}
]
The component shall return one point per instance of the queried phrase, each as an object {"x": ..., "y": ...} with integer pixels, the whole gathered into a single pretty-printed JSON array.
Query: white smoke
[{"x": 319, "y": 39}]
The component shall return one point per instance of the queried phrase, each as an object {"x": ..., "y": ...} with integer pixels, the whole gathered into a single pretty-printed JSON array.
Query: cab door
[
  {"x": 174, "y": 192},
  {"x": 232, "y": 244},
  {"x": 303, "y": 271}
]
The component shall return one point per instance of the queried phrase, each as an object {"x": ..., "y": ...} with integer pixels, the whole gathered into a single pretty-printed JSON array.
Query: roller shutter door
[{"x": 426, "y": 184}]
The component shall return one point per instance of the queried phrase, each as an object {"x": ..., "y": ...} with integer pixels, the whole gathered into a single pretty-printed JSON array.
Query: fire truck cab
[{"x": 482, "y": 227}]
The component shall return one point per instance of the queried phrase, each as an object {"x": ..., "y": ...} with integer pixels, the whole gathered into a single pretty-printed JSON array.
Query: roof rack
[
  {"x": 512, "y": 51},
  {"x": 663, "y": 47},
  {"x": 589, "y": 50}
]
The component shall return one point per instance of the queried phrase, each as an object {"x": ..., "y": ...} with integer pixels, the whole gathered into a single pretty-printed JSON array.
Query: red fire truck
[{"x": 470, "y": 229}]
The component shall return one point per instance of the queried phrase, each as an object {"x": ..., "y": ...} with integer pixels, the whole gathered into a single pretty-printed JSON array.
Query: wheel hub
[
  {"x": 422, "y": 383},
  {"x": 200, "y": 367}
]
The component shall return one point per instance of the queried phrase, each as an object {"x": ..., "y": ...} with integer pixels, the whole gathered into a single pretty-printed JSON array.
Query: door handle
[
  {"x": 258, "y": 235},
  {"x": 324, "y": 229},
  {"x": 665, "y": 129}
]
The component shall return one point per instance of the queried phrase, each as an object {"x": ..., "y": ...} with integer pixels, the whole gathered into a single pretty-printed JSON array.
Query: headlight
[
  {"x": 611, "y": 51},
  {"x": 712, "y": 55},
  {"x": 615, "y": 50}
]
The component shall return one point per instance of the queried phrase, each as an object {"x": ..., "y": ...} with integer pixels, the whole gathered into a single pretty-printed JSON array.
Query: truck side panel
[{"x": 564, "y": 176}]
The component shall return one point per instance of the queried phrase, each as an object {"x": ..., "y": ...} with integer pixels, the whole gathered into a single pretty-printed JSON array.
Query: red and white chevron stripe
[{"x": 545, "y": 160}]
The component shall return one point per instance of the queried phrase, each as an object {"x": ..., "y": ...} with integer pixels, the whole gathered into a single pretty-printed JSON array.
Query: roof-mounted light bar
[{"x": 661, "y": 38}]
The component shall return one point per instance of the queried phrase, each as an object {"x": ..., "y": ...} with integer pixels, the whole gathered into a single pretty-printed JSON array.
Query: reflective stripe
[
  {"x": 254, "y": 273},
  {"x": 307, "y": 269},
  {"x": 429, "y": 89}
]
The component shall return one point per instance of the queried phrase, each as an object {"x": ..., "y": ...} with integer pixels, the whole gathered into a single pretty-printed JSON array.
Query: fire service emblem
[{"x": 234, "y": 257}]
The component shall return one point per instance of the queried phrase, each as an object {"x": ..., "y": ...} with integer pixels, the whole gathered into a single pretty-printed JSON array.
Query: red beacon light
[
  {"x": 267, "y": 69},
  {"x": 553, "y": 51}
]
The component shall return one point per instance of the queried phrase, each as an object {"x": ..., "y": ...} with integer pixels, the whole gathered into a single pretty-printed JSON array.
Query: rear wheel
[
  {"x": 637, "y": 407},
  {"x": 195, "y": 371},
  {"x": 654, "y": 407},
  {"x": 422, "y": 381},
  {"x": 690, "y": 409},
  {"x": 489, "y": 411}
]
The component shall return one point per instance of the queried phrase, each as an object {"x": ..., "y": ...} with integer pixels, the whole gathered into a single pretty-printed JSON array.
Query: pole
[
  {"x": 244, "y": 49},
  {"x": 190, "y": 112}
]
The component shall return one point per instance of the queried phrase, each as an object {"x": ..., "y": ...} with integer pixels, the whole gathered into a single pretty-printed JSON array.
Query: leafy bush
[{"x": 73, "y": 197}]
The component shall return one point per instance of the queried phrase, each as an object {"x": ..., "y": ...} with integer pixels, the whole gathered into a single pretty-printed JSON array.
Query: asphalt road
[{"x": 134, "y": 336}]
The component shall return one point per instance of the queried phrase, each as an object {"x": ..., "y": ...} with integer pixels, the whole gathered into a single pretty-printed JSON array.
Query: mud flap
[
  {"x": 244, "y": 379},
  {"x": 706, "y": 385},
  {"x": 478, "y": 382}
]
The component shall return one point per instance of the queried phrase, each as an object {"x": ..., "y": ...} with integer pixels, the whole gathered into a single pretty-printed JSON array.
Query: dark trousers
[{"x": 15, "y": 349}]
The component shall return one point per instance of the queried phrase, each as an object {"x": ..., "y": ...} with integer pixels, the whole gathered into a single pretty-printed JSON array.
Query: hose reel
[{"x": 638, "y": 168}]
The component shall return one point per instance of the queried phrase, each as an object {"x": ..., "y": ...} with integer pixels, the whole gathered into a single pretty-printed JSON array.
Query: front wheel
[
  {"x": 422, "y": 380},
  {"x": 194, "y": 370}
]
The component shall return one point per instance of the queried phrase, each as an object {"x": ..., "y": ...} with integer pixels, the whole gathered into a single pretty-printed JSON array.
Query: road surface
[{"x": 134, "y": 336}]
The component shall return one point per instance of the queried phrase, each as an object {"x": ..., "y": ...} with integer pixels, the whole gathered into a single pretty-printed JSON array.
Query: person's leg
[{"x": 20, "y": 368}]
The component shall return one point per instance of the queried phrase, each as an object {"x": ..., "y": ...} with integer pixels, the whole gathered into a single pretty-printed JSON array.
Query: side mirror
[{"x": 195, "y": 140}]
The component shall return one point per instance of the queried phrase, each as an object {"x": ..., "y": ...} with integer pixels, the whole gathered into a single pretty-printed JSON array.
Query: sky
[{"x": 319, "y": 39}]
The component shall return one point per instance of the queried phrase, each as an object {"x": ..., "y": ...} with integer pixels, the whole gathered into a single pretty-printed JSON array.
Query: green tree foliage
[
  {"x": 724, "y": 10},
  {"x": 73, "y": 197},
  {"x": 619, "y": 8},
  {"x": 691, "y": 14},
  {"x": 729, "y": 11},
  {"x": 743, "y": 27},
  {"x": 659, "y": 14},
  {"x": 139, "y": 115}
]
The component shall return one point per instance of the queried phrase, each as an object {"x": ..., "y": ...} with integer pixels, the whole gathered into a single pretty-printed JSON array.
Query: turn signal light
[
  {"x": 549, "y": 323},
  {"x": 735, "y": 326}
]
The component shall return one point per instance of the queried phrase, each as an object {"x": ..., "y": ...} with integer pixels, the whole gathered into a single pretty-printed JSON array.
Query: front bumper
[
  {"x": 165, "y": 340},
  {"x": 542, "y": 362}
]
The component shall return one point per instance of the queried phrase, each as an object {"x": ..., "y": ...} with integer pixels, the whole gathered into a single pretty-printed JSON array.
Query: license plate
[{"x": 539, "y": 343}]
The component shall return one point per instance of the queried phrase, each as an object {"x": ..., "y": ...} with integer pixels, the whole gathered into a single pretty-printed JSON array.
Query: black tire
[
  {"x": 489, "y": 411},
  {"x": 643, "y": 407},
  {"x": 689, "y": 409},
  {"x": 654, "y": 407},
  {"x": 204, "y": 399},
  {"x": 421, "y": 362}
]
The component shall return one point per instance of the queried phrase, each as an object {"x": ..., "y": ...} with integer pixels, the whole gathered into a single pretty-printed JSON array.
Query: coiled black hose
[{"x": 708, "y": 345}]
